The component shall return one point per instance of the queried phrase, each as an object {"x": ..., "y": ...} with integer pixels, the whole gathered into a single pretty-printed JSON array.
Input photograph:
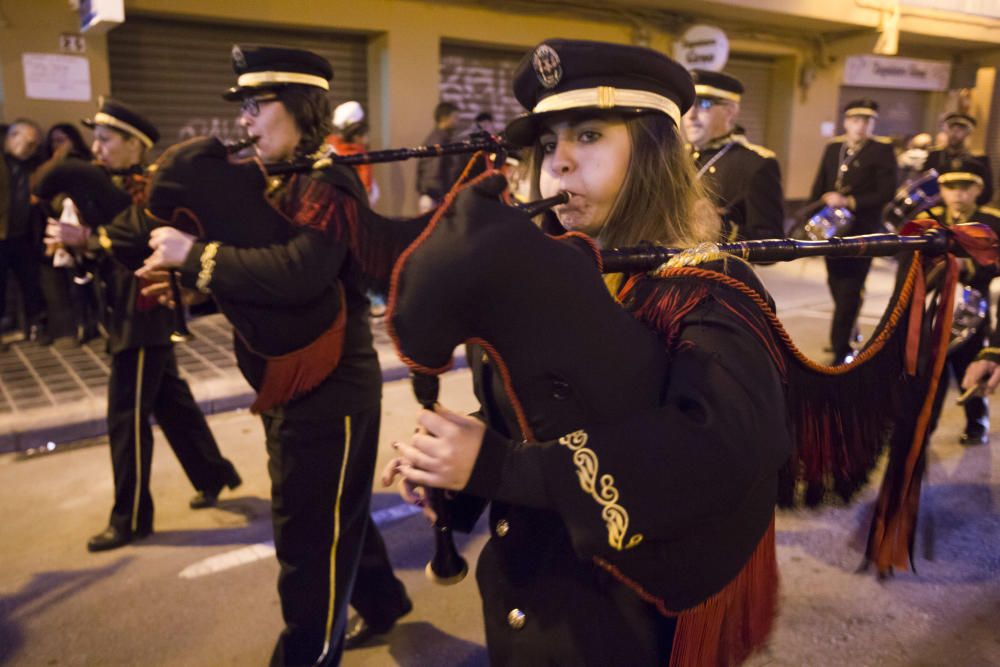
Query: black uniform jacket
[
  {"x": 869, "y": 178},
  {"x": 297, "y": 273},
  {"x": 693, "y": 482},
  {"x": 946, "y": 159},
  {"x": 745, "y": 184},
  {"x": 118, "y": 249}
]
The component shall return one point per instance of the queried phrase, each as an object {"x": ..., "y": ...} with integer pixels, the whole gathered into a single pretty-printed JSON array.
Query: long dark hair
[
  {"x": 80, "y": 148},
  {"x": 662, "y": 199},
  {"x": 311, "y": 109}
]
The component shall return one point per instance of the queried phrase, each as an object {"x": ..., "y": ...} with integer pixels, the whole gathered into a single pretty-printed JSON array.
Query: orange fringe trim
[
  {"x": 894, "y": 523},
  {"x": 293, "y": 374},
  {"x": 731, "y": 625},
  {"x": 870, "y": 351}
]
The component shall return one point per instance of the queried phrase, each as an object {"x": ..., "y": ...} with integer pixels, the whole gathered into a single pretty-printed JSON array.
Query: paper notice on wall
[{"x": 51, "y": 76}]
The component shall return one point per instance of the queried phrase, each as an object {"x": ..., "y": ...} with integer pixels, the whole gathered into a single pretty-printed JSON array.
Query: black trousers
[
  {"x": 145, "y": 381},
  {"x": 321, "y": 481},
  {"x": 846, "y": 279},
  {"x": 977, "y": 410},
  {"x": 21, "y": 256}
]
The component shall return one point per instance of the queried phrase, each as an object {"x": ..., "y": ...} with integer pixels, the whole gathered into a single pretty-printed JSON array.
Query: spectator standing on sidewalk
[
  {"x": 20, "y": 247},
  {"x": 436, "y": 175},
  {"x": 73, "y": 312},
  {"x": 145, "y": 380}
]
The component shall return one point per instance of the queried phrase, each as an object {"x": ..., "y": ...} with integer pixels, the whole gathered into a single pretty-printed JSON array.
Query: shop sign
[
  {"x": 898, "y": 73},
  {"x": 702, "y": 47}
]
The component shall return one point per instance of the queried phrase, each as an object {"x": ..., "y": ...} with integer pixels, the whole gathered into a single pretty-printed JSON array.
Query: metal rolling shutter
[
  {"x": 755, "y": 75},
  {"x": 175, "y": 71},
  {"x": 479, "y": 79}
]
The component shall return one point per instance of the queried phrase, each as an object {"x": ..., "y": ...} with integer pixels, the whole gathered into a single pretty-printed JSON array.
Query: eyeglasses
[
  {"x": 706, "y": 103},
  {"x": 251, "y": 105}
]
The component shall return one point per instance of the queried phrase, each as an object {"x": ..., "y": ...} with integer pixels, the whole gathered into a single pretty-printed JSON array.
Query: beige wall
[
  {"x": 404, "y": 54},
  {"x": 34, "y": 26}
]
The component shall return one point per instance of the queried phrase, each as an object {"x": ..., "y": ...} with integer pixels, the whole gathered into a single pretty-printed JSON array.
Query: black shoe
[
  {"x": 113, "y": 537},
  {"x": 38, "y": 334},
  {"x": 360, "y": 634},
  {"x": 87, "y": 334},
  {"x": 210, "y": 497},
  {"x": 975, "y": 434}
]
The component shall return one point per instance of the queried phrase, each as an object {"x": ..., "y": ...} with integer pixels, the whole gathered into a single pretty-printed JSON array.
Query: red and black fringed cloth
[
  {"x": 842, "y": 417},
  {"x": 375, "y": 241}
]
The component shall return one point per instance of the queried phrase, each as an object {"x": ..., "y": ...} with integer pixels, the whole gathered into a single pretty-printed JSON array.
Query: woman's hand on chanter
[
  {"x": 443, "y": 452},
  {"x": 170, "y": 249}
]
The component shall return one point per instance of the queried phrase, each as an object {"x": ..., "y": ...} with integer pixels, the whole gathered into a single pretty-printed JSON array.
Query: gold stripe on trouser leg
[
  {"x": 336, "y": 538},
  {"x": 137, "y": 423}
]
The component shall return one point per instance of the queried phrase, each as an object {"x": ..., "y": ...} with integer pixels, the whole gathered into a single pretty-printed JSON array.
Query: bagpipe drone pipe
[{"x": 488, "y": 275}]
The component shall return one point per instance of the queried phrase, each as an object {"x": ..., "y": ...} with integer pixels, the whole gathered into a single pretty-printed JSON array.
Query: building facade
[{"x": 798, "y": 59}]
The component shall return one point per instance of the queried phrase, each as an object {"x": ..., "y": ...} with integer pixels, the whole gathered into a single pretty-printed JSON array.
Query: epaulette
[
  {"x": 995, "y": 212},
  {"x": 765, "y": 153},
  {"x": 882, "y": 140},
  {"x": 937, "y": 210},
  {"x": 977, "y": 153},
  {"x": 924, "y": 215},
  {"x": 839, "y": 139}
]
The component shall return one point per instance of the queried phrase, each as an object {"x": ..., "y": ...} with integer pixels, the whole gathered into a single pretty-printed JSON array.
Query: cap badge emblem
[
  {"x": 548, "y": 67},
  {"x": 239, "y": 60}
]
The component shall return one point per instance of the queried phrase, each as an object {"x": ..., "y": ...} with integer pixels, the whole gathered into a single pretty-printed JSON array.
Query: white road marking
[{"x": 262, "y": 550}]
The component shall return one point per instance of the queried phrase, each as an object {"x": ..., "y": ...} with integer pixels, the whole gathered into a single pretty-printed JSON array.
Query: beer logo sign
[{"x": 548, "y": 67}]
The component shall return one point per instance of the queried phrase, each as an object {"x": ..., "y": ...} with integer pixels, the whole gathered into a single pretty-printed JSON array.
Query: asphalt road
[{"x": 201, "y": 591}]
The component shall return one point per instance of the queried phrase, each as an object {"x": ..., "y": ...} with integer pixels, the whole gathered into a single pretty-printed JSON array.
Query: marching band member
[
  {"x": 603, "y": 123},
  {"x": 857, "y": 172},
  {"x": 321, "y": 444},
  {"x": 743, "y": 179},
  {"x": 145, "y": 380}
]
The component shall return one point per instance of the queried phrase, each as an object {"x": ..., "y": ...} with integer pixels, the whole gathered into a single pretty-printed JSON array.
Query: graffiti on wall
[{"x": 480, "y": 83}]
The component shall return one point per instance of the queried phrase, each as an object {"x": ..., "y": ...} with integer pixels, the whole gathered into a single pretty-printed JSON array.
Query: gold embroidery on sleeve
[
  {"x": 207, "y": 267},
  {"x": 602, "y": 489},
  {"x": 103, "y": 238}
]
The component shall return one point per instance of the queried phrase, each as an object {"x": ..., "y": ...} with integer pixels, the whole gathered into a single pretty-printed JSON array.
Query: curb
[{"x": 54, "y": 437}]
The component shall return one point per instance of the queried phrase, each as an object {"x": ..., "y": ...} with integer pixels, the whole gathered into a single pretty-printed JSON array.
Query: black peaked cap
[
  {"x": 596, "y": 75},
  {"x": 266, "y": 67},
  {"x": 121, "y": 117}
]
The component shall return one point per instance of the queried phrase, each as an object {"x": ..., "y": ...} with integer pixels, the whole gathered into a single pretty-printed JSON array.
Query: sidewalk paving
[{"x": 53, "y": 395}]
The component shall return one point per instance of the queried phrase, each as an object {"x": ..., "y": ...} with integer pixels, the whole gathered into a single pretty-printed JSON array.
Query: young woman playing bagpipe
[
  {"x": 633, "y": 469},
  {"x": 288, "y": 276},
  {"x": 633, "y": 444}
]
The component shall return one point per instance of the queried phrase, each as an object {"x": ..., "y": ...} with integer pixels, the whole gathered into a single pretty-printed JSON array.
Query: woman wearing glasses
[
  {"x": 322, "y": 443},
  {"x": 650, "y": 539}
]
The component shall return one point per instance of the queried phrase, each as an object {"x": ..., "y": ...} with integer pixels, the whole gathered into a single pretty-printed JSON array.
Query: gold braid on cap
[
  {"x": 608, "y": 97},
  {"x": 101, "y": 118},
  {"x": 701, "y": 90},
  {"x": 258, "y": 79}
]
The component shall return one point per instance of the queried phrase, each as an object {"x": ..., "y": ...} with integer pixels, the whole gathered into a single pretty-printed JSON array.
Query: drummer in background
[
  {"x": 956, "y": 154},
  {"x": 743, "y": 179},
  {"x": 858, "y": 173},
  {"x": 961, "y": 186}
]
